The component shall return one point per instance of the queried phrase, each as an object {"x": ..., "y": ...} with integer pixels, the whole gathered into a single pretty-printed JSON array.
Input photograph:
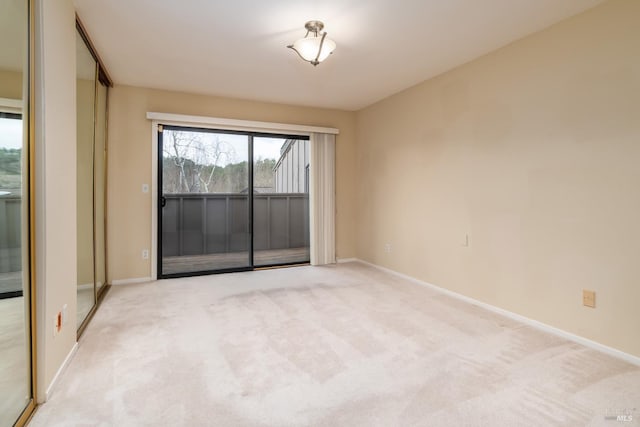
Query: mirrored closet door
[
  {"x": 16, "y": 296},
  {"x": 92, "y": 86},
  {"x": 86, "y": 67}
]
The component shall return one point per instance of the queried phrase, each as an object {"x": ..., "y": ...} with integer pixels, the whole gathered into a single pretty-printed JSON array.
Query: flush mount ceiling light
[{"x": 315, "y": 47}]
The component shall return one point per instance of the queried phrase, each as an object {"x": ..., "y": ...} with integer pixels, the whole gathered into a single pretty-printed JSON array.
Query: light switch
[{"x": 145, "y": 188}]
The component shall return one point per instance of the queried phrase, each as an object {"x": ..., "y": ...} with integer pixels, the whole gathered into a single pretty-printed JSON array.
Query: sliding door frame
[
  {"x": 159, "y": 191},
  {"x": 251, "y": 135},
  {"x": 157, "y": 119}
]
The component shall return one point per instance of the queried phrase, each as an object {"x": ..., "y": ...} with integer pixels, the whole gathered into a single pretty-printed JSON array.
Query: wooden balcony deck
[{"x": 195, "y": 263}]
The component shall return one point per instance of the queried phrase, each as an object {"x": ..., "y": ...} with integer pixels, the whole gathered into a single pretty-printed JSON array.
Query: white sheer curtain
[{"x": 322, "y": 198}]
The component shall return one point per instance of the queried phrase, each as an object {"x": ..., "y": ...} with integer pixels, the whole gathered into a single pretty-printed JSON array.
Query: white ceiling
[{"x": 237, "y": 48}]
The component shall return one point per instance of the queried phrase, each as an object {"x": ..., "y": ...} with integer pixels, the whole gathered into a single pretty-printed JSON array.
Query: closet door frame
[
  {"x": 101, "y": 78},
  {"x": 29, "y": 160}
]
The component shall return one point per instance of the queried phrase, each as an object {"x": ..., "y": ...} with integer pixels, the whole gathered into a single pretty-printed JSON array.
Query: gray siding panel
[{"x": 290, "y": 170}]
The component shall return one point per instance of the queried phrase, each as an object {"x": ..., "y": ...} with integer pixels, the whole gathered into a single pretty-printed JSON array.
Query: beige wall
[
  {"x": 533, "y": 152},
  {"x": 10, "y": 84},
  {"x": 129, "y": 164},
  {"x": 55, "y": 184}
]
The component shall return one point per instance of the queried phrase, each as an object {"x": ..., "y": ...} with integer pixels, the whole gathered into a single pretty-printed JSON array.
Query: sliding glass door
[
  {"x": 230, "y": 201},
  {"x": 280, "y": 201},
  {"x": 205, "y": 204}
]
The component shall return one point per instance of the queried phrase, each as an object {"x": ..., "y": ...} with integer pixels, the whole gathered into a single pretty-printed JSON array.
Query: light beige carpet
[
  {"x": 14, "y": 358},
  {"x": 343, "y": 345}
]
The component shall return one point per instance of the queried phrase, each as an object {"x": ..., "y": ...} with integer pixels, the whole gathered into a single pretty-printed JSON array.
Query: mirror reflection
[
  {"x": 85, "y": 98},
  {"x": 91, "y": 132},
  {"x": 100, "y": 184},
  {"x": 15, "y": 364}
]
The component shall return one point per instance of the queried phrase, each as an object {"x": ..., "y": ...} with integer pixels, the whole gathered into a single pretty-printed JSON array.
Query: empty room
[{"x": 338, "y": 213}]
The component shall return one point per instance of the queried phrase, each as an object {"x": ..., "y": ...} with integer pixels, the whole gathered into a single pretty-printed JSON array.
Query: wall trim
[
  {"x": 61, "y": 370},
  {"x": 619, "y": 354},
  {"x": 130, "y": 281},
  {"x": 89, "y": 286},
  {"x": 235, "y": 124},
  {"x": 345, "y": 260}
]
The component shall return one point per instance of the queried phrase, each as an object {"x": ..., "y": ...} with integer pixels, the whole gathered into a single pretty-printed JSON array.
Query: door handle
[{"x": 163, "y": 201}]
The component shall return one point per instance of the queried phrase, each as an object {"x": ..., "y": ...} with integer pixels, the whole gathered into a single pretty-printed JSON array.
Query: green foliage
[
  {"x": 10, "y": 168},
  {"x": 263, "y": 175},
  {"x": 182, "y": 175}
]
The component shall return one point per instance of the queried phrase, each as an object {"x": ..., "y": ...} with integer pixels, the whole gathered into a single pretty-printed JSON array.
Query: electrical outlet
[
  {"x": 145, "y": 254},
  {"x": 589, "y": 298},
  {"x": 387, "y": 248},
  {"x": 145, "y": 188}
]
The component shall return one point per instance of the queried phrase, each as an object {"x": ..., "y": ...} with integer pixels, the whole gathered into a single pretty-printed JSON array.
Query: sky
[
  {"x": 267, "y": 148},
  {"x": 10, "y": 133}
]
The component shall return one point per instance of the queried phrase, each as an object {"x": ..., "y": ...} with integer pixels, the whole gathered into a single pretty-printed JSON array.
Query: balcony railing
[
  {"x": 10, "y": 233},
  {"x": 10, "y": 245},
  {"x": 199, "y": 224}
]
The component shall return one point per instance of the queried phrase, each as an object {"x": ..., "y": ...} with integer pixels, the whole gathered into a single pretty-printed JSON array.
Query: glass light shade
[{"x": 308, "y": 47}]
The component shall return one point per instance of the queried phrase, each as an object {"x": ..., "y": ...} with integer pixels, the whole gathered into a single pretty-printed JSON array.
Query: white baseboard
[
  {"x": 130, "y": 281},
  {"x": 534, "y": 323},
  {"x": 343, "y": 260},
  {"x": 88, "y": 286},
  {"x": 61, "y": 370}
]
